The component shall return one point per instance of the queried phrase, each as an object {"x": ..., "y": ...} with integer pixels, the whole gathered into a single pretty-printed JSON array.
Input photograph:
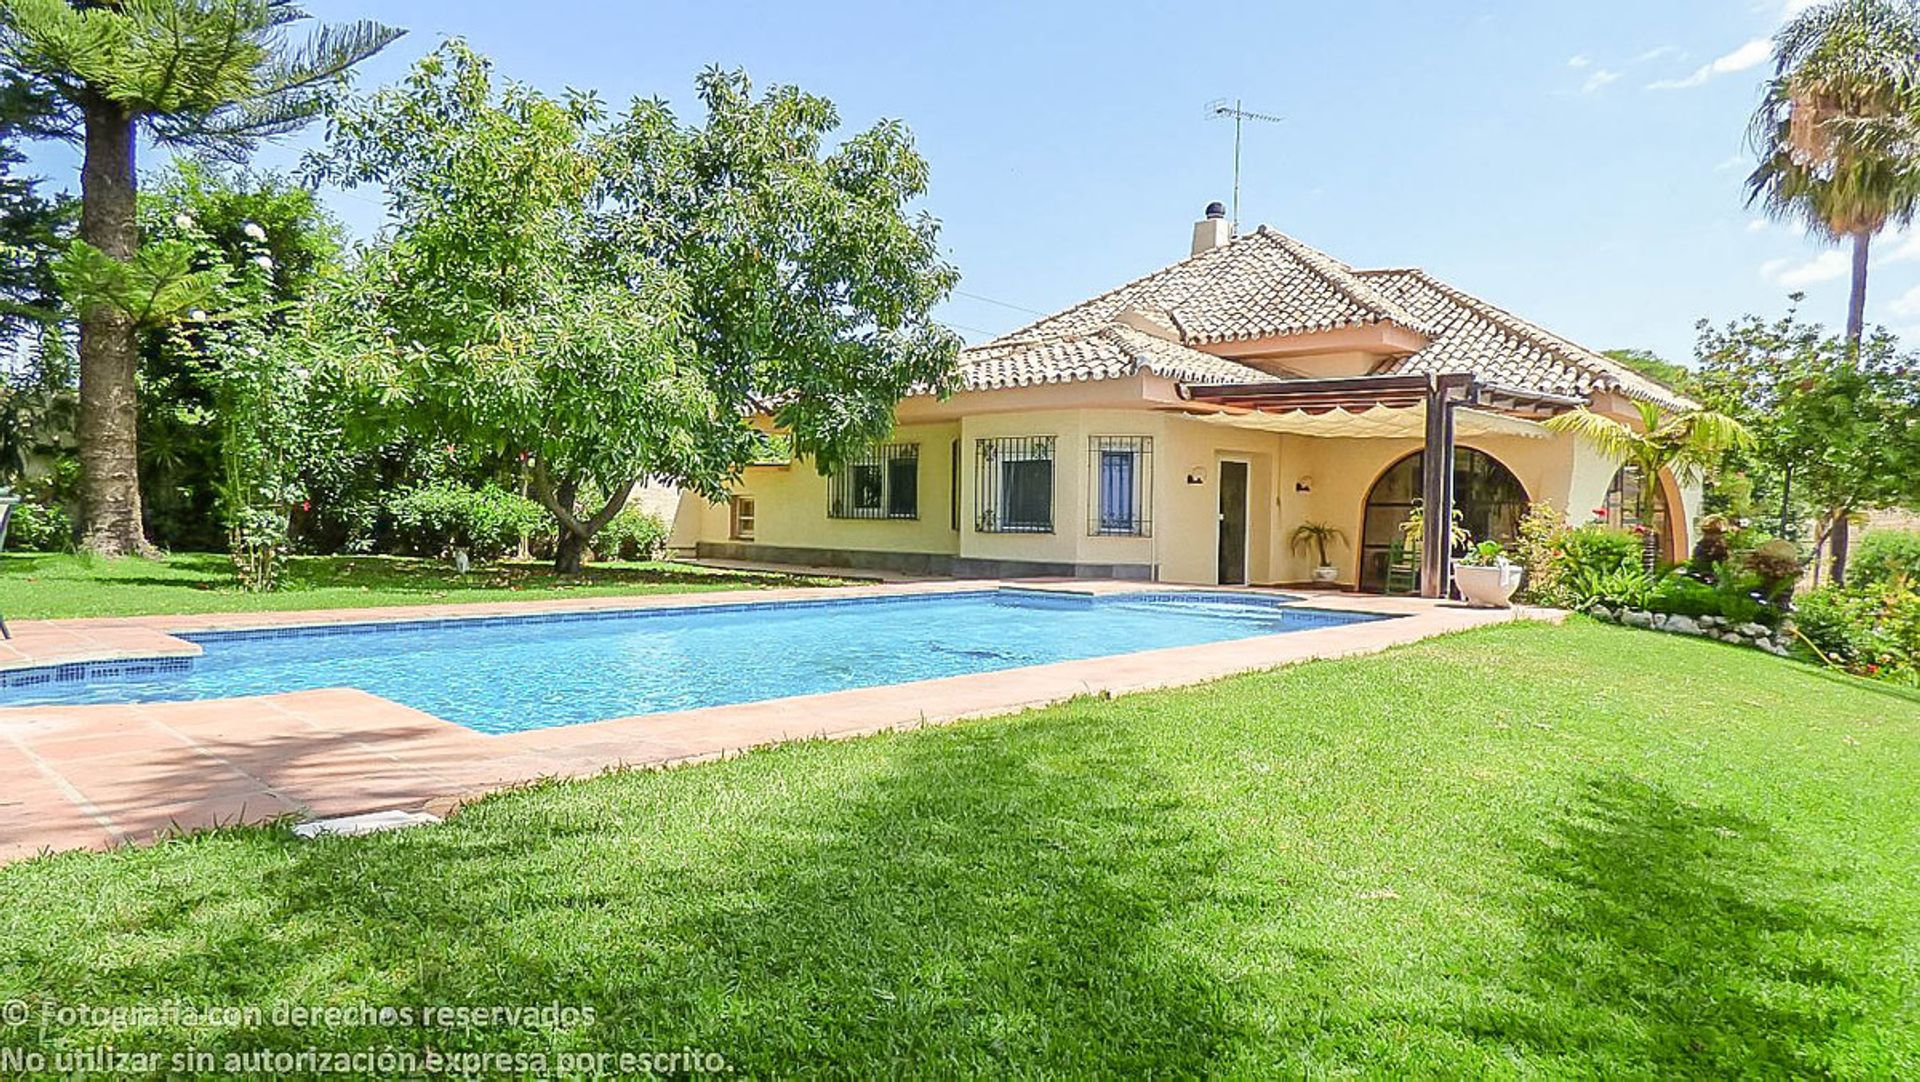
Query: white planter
[
  {"x": 1489, "y": 587},
  {"x": 1325, "y": 574}
]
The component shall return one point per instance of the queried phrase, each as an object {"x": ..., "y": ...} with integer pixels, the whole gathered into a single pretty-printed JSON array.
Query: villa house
[{"x": 1181, "y": 426}]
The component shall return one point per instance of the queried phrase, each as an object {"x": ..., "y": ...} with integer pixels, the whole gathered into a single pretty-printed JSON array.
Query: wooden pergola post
[{"x": 1436, "y": 484}]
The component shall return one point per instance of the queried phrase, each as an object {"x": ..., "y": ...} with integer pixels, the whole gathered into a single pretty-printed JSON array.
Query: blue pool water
[{"x": 507, "y": 674}]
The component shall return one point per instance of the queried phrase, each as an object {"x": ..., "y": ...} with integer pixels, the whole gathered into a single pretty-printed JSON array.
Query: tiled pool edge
[
  {"x": 330, "y": 753},
  {"x": 159, "y": 635},
  {"x": 30, "y": 673}
]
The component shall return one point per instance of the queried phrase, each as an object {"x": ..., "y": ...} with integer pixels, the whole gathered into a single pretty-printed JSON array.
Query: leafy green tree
[
  {"x": 1655, "y": 367},
  {"x": 207, "y": 75},
  {"x": 1689, "y": 444},
  {"x": 608, "y": 300},
  {"x": 1837, "y": 132},
  {"x": 1838, "y": 422},
  {"x": 37, "y": 398},
  {"x": 274, "y": 240},
  {"x": 33, "y": 230}
]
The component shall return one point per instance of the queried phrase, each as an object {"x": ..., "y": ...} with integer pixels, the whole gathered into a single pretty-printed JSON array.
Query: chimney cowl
[{"x": 1213, "y": 231}]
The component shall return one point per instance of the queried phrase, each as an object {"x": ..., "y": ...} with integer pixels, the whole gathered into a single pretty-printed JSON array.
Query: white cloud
[
  {"x": 1600, "y": 78},
  {"x": 1899, "y": 248},
  {"x": 1758, "y": 225},
  {"x": 1906, "y": 305},
  {"x": 1578, "y": 61},
  {"x": 1752, "y": 54},
  {"x": 1729, "y": 164},
  {"x": 1825, "y": 267},
  {"x": 1660, "y": 52}
]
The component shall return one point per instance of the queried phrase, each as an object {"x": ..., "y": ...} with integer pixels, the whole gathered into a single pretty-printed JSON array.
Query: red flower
[
  {"x": 306, "y": 505},
  {"x": 1599, "y": 512}
]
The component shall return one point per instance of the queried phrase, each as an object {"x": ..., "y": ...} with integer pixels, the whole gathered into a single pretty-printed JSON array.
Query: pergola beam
[{"x": 1440, "y": 394}]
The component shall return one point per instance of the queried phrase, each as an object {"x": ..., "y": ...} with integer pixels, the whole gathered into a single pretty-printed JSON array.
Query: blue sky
[{"x": 1580, "y": 164}]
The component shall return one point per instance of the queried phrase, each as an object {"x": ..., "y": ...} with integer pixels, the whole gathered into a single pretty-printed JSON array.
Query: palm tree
[
  {"x": 1838, "y": 134},
  {"x": 208, "y": 75},
  {"x": 1838, "y": 128},
  {"x": 1685, "y": 444}
]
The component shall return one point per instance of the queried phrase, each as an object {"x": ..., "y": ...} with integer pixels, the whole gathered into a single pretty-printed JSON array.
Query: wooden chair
[{"x": 1403, "y": 575}]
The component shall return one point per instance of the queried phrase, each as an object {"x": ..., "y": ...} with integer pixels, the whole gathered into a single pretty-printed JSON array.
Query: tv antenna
[{"x": 1221, "y": 108}]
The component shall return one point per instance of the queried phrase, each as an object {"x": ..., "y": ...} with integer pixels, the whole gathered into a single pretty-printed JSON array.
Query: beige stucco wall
[
  {"x": 791, "y": 505},
  {"x": 1336, "y": 474}
]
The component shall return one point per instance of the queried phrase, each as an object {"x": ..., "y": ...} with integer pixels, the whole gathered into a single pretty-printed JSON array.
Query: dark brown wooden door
[{"x": 1233, "y": 523}]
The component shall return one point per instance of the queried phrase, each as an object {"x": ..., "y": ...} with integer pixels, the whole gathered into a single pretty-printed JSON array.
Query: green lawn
[
  {"x": 1512, "y": 851},
  {"x": 40, "y": 587}
]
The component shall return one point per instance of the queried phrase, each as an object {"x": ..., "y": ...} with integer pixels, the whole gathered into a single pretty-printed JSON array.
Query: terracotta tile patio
[{"x": 94, "y": 776}]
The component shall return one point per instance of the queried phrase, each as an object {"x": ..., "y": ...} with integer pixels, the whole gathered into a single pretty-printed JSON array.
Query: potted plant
[
  {"x": 1414, "y": 529},
  {"x": 1317, "y": 536},
  {"x": 1486, "y": 578}
]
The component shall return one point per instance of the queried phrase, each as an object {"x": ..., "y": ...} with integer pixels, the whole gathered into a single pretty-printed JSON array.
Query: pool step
[{"x": 365, "y": 823}]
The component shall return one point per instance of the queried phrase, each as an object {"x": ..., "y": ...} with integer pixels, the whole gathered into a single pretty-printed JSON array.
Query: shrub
[
  {"x": 37, "y": 527},
  {"x": 1776, "y": 564},
  {"x": 1684, "y": 595},
  {"x": 1712, "y": 549},
  {"x": 486, "y": 522},
  {"x": 1830, "y": 620},
  {"x": 1537, "y": 544},
  {"x": 1735, "y": 595},
  {"x": 1622, "y": 587},
  {"x": 632, "y": 535},
  {"x": 1887, "y": 558},
  {"x": 1599, "y": 549},
  {"x": 1873, "y": 631}
]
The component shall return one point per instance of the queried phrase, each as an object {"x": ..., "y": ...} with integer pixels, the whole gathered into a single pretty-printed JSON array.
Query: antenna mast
[{"x": 1220, "y": 108}]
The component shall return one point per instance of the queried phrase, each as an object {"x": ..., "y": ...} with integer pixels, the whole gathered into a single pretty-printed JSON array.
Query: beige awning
[{"x": 1378, "y": 422}]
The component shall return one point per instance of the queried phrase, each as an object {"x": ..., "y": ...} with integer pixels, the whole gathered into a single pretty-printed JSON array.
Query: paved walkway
[{"x": 94, "y": 776}]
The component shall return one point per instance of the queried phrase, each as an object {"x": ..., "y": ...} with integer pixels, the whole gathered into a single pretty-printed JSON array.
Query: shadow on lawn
[
  {"x": 1680, "y": 940},
  {"x": 970, "y": 904}
]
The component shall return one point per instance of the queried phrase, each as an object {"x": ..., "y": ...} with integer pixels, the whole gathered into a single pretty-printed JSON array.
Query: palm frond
[
  {"x": 1837, "y": 132},
  {"x": 1711, "y": 434},
  {"x": 1611, "y": 438}
]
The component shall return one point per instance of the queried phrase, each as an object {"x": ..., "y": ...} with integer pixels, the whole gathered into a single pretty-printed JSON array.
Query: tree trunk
[
  {"x": 1786, "y": 500},
  {"x": 570, "y": 551},
  {"x": 1840, "y": 544},
  {"x": 109, "y": 413},
  {"x": 1857, "y": 297},
  {"x": 570, "y": 555}
]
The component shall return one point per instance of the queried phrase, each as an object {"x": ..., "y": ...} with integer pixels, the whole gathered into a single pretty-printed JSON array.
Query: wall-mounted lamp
[
  {"x": 1305, "y": 484},
  {"x": 1197, "y": 475}
]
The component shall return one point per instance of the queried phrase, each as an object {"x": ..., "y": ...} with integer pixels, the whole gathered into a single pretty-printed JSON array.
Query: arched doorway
[
  {"x": 1488, "y": 496},
  {"x": 1623, "y": 501}
]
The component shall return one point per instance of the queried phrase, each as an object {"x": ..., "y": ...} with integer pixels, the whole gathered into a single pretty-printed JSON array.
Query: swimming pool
[{"x": 512, "y": 673}]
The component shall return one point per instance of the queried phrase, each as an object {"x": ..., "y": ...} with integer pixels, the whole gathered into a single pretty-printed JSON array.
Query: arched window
[
  {"x": 1489, "y": 498},
  {"x": 1623, "y": 497}
]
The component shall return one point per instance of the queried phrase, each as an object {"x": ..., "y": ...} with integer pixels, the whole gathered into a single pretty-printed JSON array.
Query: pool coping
[
  {"x": 194, "y": 640},
  {"x": 99, "y": 775}
]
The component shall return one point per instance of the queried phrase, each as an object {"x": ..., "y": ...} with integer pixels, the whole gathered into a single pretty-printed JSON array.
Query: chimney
[{"x": 1213, "y": 230}]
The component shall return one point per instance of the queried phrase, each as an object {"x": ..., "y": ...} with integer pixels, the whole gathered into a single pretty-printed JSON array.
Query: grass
[
  {"x": 1518, "y": 850},
  {"x": 43, "y": 587}
]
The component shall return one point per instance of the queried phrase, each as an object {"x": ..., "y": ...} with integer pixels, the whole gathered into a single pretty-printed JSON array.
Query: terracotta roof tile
[
  {"x": 1257, "y": 285},
  {"x": 1470, "y": 335},
  {"x": 1112, "y": 351},
  {"x": 1266, "y": 284}
]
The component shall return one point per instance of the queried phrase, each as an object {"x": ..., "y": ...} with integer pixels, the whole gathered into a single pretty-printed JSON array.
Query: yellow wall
[
  {"x": 1338, "y": 473},
  {"x": 791, "y": 506}
]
